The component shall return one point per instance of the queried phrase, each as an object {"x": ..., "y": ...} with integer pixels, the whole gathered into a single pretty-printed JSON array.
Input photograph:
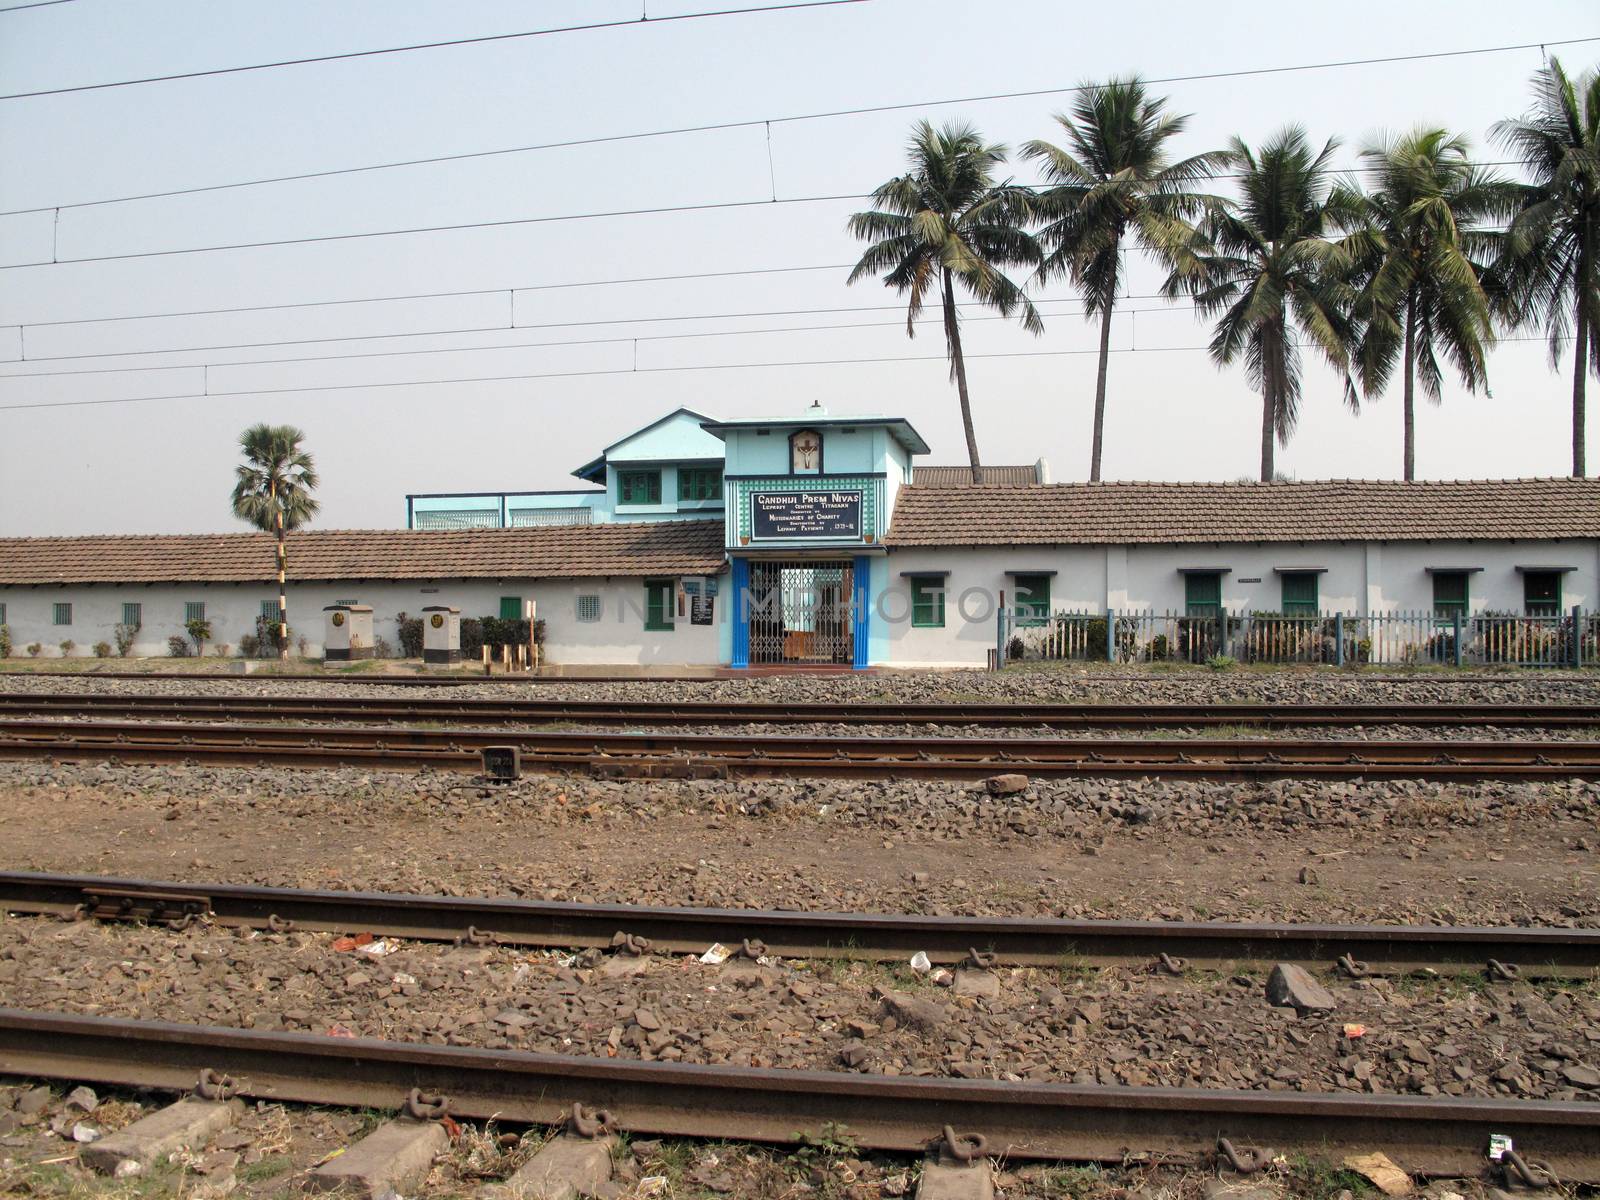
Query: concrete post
[
  {"x": 1338, "y": 639},
  {"x": 1111, "y": 634},
  {"x": 1455, "y": 624}
]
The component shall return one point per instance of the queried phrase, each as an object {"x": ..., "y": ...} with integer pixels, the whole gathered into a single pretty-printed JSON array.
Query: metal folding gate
[{"x": 800, "y": 612}]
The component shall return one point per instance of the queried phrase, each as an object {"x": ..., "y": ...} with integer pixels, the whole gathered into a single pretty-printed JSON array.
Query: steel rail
[
  {"x": 1425, "y": 1135},
  {"x": 1025, "y": 941},
  {"x": 692, "y": 712},
  {"x": 677, "y": 754}
]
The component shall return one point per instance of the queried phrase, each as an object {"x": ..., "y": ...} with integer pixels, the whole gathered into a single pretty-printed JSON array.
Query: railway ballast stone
[
  {"x": 913, "y": 1011},
  {"x": 1291, "y": 986},
  {"x": 1006, "y": 785}
]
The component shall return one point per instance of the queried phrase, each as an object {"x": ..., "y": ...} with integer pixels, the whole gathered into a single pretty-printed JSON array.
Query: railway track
[
  {"x": 1086, "y": 1123},
  {"x": 1021, "y": 941},
  {"x": 708, "y": 712},
  {"x": 675, "y": 754}
]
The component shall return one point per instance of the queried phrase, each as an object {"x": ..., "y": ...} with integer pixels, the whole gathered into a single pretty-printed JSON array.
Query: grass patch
[
  {"x": 273, "y": 1164},
  {"x": 1313, "y": 1179}
]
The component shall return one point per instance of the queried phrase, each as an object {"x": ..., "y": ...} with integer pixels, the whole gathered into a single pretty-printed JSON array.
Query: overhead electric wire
[
  {"x": 452, "y": 42},
  {"x": 36, "y": 4},
  {"x": 749, "y": 123},
  {"x": 635, "y": 370},
  {"x": 617, "y": 339}
]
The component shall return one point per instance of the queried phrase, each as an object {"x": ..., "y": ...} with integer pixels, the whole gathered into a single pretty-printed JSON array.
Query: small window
[
  {"x": 638, "y": 487},
  {"x": 1449, "y": 595},
  {"x": 589, "y": 608},
  {"x": 699, "y": 483},
  {"x": 658, "y": 605},
  {"x": 63, "y": 614},
  {"x": 194, "y": 610},
  {"x": 1541, "y": 593},
  {"x": 511, "y": 608},
  {"x": 1202, "y": 593},
  {"x": 271, "y": 614},
  {"x": 1033, "y": 599},
  {"x": 927, "y": 603},
  {"x": 1299, "y": 593},
  {"x": 133, "y": 616}
]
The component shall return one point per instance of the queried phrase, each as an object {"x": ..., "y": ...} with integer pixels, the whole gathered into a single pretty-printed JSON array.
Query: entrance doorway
[{"x": 800, "y": 612}]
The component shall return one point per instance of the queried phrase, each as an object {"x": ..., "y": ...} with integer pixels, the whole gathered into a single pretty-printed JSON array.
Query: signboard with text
[{"x": 825, "y": 513}]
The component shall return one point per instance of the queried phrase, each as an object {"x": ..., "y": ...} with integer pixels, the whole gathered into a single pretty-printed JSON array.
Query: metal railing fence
[{"x": 1569, "y": 639}]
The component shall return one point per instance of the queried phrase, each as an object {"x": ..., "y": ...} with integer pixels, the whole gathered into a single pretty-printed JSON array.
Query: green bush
[
  {"x": 102, "y": 649},
  {"x": 5, "y": 641},
  {"x": 34, "y": 649},
  {"x": 200, "y": 630},
  {"x": 67, "y": 647},
  {"x": 124, "y": 636},
  {"x": 267, "y": 641},
  {"x": 1222, "y": 662},
  {"x": 249, "y": 645},
  {"x": 178, "y": 647},
  {"x": 494, "y": 632},
  {"x": 410, "y": 635}
]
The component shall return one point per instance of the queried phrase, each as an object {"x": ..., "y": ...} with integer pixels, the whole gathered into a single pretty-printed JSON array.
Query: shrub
[
  {"x": 410, "y": 635},
  {"x": 249, "y": 645},
  {"x": 34, "y": 649},
  {"x": 1159, "y": 648},
  {"x": 5, "y": 641},
  {"x": 382, "y": 648},
  {"x": 303, "y": 644},
  {"x": 200, "y": 630},
  {"x": 224, "y": 650},
  {"x": 1015, "y": 649},
  {"x": 1222, "y": 662},
  {"x": 178, "y": 647},
  {"x": 124, "y": 636},
  {"x": 267, "y": 641},
  {"x": 102, "y": 649},
  {"x": 67, "y": 647}
]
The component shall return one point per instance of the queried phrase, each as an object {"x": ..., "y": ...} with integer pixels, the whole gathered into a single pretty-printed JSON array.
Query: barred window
[
  {"x": 589, "y": 607},
  {"x": 133, "y": 615},
  {"x": 194, "y": 610},
  {"x": 63, "y": 614},
  {"x": 2, "y": 614},
  {"x": 271, "y": 613}
]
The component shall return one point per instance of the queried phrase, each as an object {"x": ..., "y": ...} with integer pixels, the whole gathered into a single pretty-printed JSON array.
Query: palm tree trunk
[
  {"x": 1269, "y": 435},
  {"x": 1273, "y": 369},
  {"x": 952, "y": 333},
  {"x": 1100, "y": 393},
  {"x": 1580, "y": 375},
  {"x": 1410, "y": 390}
]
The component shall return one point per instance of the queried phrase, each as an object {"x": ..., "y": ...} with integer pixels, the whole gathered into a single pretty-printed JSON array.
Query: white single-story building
[{"x": 817, "y": 540}]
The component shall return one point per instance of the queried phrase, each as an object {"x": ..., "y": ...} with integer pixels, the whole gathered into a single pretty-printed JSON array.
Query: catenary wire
[
  {"x": 387, "y": 50},
  {"x": 743, "y": 123},
  {"x": 817, "y": 362}
]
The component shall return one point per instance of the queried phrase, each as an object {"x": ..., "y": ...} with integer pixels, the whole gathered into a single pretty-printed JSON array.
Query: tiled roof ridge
[{"x": 1062, "y": 485}]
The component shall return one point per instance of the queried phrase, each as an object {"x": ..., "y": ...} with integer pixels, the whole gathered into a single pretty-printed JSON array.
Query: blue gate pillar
[
  {"x": 741, "y": 612},
  {"x": 861, "y": 611}
]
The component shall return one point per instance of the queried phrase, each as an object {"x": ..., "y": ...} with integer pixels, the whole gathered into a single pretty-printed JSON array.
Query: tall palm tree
[
  {"x": 273, "y": 493},
  {"x": 1552, "y": 250},
  {"x": 1115, "y": 181},
  {"x": 1270, "y": 269},
  {"x": 946, "y": 221},
  {"x": 1426, "y": 237}
]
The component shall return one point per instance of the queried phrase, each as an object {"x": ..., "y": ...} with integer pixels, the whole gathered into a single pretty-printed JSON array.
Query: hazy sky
[{"x": 165, "y": 464}]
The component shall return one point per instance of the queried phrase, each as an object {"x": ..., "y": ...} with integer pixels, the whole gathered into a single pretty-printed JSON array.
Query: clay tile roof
[
  {"x": 1331, "y": 510},
  {"x": 962, "y": 476},
  {"x": 542, "y": 552}
]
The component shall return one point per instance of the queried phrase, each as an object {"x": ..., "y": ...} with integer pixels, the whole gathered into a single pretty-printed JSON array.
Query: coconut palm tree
[
  {"x": 273, "y": 493},
  {"x": 1551, "y": 265},
  {"x": 1269, "y": 268},
  {"x": 1426, "y": 237},
  {"x": 1113, "y": 183},
  {"x": 947, "y": 222}
]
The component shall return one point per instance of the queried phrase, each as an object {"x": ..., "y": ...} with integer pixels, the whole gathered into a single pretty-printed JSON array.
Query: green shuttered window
[
  {"x": 927, "y": 603},
  {"x": 638, "y": 487},
  {"x": 699, "y": 483},
  {"x": 1541, "y": 593},
  {"x": 1033, "y": 599},
  {"x": 1450, "y": 594},
  {"x": 1300, "y": 593},
  {"x": 1202, "y": 593},
  {"x": 658, "y": 606},
  {"x": 511, "y": 608}
]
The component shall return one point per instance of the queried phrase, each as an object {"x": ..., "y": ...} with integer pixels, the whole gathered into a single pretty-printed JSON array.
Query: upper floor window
[
  {"x": 805, "y": 452},
  {"x": 699, "y": 483},
  {"x": 638, "y": 487}
]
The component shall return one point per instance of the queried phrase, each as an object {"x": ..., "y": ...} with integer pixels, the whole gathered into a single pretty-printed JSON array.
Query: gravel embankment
[{"x": 1112, "y": 1026}]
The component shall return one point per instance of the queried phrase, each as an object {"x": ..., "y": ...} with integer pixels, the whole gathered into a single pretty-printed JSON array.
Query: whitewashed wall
[
  {"x": 619, "y": 637},
  {"x": 1360, "y": 578}
]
